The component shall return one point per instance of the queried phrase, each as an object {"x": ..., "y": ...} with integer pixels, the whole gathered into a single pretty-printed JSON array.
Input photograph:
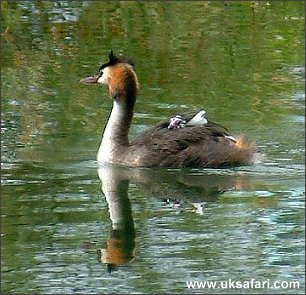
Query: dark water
[{"x": 150, "y": 230}]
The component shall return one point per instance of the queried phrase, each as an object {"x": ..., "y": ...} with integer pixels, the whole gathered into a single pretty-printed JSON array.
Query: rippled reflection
[{"x": 173, "y": 187}]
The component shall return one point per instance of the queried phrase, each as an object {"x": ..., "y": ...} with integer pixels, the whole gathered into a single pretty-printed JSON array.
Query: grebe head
[{"x": 118, "y": 74}]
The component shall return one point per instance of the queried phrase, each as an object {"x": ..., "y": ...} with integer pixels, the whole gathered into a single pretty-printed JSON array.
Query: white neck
[{"x": 115, "y": 136}]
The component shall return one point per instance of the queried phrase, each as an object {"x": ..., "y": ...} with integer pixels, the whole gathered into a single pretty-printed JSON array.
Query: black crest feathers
[{"x": 113, "y": 60}]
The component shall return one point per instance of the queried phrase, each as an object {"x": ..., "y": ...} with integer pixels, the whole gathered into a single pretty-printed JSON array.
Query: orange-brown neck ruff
[
  {"x": 123, "y": 86},
  {"x": 122, "y": 83}
]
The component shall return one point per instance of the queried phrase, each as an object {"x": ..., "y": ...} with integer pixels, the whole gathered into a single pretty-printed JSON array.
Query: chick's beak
[{"x": 89, "y": 80}]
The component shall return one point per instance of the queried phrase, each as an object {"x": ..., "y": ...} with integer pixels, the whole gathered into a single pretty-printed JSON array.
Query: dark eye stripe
[{"x": 99, "y": 75}]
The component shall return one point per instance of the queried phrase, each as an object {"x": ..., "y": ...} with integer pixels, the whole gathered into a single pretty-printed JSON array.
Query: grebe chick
[{"x": 181, "y": 141}]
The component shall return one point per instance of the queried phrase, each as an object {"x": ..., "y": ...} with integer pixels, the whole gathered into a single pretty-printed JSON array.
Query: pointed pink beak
[{"x": 89, "y": 80}]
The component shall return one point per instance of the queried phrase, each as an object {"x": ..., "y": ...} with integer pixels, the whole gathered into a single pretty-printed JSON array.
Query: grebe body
[{"x": 188, "y": 140}]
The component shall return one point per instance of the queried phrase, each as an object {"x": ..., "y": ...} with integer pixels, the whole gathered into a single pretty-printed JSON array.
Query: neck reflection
[{"x": 120, "y": 248}]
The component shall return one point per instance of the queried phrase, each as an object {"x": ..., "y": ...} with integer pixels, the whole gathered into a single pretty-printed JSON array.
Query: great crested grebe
[{"x": 181, "y": 141}]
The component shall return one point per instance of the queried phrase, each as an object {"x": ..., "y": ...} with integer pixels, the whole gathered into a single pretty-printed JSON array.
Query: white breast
[{"x": 108, "y": 147}]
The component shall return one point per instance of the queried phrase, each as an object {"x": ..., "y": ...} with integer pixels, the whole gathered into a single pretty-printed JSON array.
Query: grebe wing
[
  {"x": 160, "y": 134},
  {"x": 206, "y": 145}
]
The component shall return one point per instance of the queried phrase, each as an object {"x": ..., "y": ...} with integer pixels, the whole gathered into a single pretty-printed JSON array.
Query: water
[{"x": 150, "y": 230}]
